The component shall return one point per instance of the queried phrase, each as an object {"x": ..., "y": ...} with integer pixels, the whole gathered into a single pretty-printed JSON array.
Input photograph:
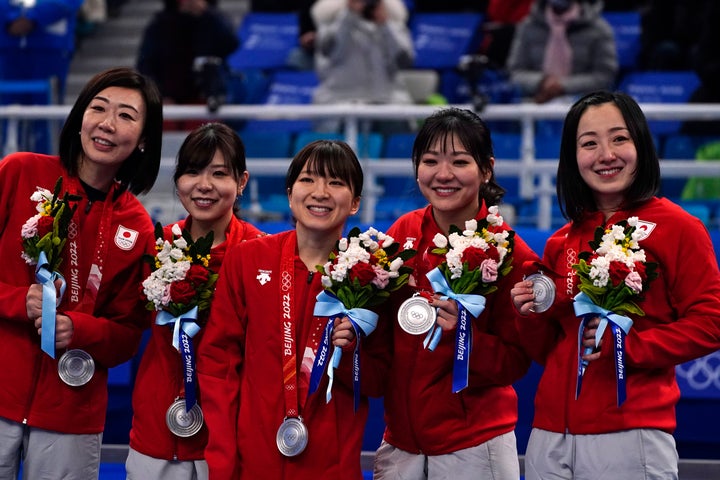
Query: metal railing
[{"x": 536, "y": 175}]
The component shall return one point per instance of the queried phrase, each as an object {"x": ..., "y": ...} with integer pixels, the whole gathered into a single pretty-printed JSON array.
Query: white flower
[
  {"x": 180, "y": 243},
  {"x": 632, "y": 221},
  {"x": 471, "y": 226},
  {"x": 41, "y": 196},
  {"x": 343, "y": 244},
  {"x": 176, "y": 230},
  {"x": 396, "y": 264},
  {"x": 326, "y": 281},
  {"x": 440, "y": 240}
]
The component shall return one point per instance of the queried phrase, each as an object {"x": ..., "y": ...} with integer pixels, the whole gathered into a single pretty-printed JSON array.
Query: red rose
[
  {"x": 618, "y": 271},
  {"x": 197, "y": 275},
  {"x": 181, "y": 292},
  {"x": 474, "y": 257},
  {"x": 363, "y": 272},
  {"x": 44, "y": 225}
]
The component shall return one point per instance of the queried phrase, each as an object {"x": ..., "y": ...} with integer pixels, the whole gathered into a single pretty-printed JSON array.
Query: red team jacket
[
  {"x": 159, "y": 379},
  {"x": 108, "y": 329},
  {"x": 681, "y": 322},
  {"x": 421, "y": 412}
]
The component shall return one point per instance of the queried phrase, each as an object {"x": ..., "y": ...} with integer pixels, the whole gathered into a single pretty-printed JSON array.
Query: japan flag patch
[{"x": 125, "y": 238}]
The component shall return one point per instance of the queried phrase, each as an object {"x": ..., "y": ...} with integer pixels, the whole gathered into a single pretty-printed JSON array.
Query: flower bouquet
[
  {"x": 474, "y": 260},
  {"x": 361, "y": 273},
  {"x": 180, "y": 288},
  {"x": 43, "y": 238},
  {"x": 612, "y": 277}
]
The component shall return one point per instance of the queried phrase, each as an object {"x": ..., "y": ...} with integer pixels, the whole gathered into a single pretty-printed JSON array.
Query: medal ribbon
[
  {"x": 184, "y": 328},
  {"x": 288, "y": 337},
  {"x": 467, "y": 303},
  {"x": 620, "y": 326},
  {"x": 363, "y": 322},
  {"x": 50, "y": 302}
]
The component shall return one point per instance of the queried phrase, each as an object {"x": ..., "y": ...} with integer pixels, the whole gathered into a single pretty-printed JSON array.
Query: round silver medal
[
  {"x": 416, "y": 316},
  {"x": 292, "y": 437},
  {"x": 544, "y": 290},
  {"x": 182, "y": 423},
  {"x": 76, "y": 367}
]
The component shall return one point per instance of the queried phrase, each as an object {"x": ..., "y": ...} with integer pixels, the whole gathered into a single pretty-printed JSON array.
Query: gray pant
[
  {"x": 497, "y": 459},
  {"x": 47, "y": 455},
  {"x": 143, "y": 467},
  {"x": 640, "y": 454}
]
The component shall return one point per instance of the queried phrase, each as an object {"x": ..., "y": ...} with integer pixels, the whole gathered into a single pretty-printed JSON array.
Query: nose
[
  {"x": 320, "y": 189},
  {"x": 444, "y": 171},
  {"x": 204, "y": 182},
  {"x": 607, "y": 153},
  {"x": 108, "y": 124}
]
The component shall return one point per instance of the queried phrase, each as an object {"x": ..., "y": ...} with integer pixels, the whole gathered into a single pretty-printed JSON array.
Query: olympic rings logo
[
  {"x": 701, "y": 373},
  {"x": 285, "y": 281},
  {"x": 72, "y": 230},
  {"x": 416, "y": 315}
]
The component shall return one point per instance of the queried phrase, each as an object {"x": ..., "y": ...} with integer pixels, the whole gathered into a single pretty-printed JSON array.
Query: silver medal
[
  {"x": 76, "y": 367},
  {"x": 416, "y": 316},
  {"x": 182, "y": 423},
  {"x": 544, "y": 290},
  {"x": 292, "y": 437}
]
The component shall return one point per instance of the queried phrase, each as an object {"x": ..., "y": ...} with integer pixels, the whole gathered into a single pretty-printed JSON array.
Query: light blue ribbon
[
  {"x": 472, "y": 303},
  {"x": 586, "y": 308},
  {"x": 184, "y": 322},
  {"x": 50, "y": 302},
  {"x": 475, "y": 304},
  {"x": 363, "y": 322}
]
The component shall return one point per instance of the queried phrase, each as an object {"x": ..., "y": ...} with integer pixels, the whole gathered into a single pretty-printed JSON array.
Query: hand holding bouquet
[
  {"x": 612, "y": 277},
  {"x": 180, "y": 288},
  {"x": 43, "y": 238},
  {"x": 361, "y": 273},
  {"x": 474, "y": 260}
]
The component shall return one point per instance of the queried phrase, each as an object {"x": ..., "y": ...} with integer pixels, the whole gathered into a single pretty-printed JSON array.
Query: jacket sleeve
[
  {"x": 218, "y": 365},
  {"x": 497, "y": 357},
  {"x": 690, "y": 282}
]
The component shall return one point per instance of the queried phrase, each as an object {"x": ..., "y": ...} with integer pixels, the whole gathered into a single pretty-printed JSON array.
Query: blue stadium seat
[
  {"x": 286, "y": 88},
  {"x": 266, "y": 39},
  {"x": 626, "y": 26},
  {"x": 303, "y": 138},
  {"x": 32, "y": 135},
  {"x": 266, "y": 144},
  {"x": 493, "y": 84},
  {"x": 507, "y": 146},
  {"x": 660, "y": 87},
  {"x": 440, "y": 39},
  {"x": 678, "y": 147}
]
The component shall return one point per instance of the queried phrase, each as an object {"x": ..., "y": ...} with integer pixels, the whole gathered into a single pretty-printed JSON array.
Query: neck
[
  {"x": 314, "y": 249},
  {"x": 200, "y": 228},
  {"x": 445, "y": 219},
  {"x": 99, "y": 178}
]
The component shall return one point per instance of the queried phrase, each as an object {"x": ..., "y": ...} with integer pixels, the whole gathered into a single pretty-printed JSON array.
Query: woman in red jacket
[
  {"x": 262, "y": 335},
  {"x": 210, "y": 176},
  {"x": 606, "y": 401},
  {"x": 431, "y": 431},
  {"x": 53, "y": 400}
]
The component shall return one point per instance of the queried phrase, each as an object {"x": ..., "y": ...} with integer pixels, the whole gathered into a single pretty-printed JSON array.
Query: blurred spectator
[
  {"x": 360, "y": 46},
  {"x": 502, "y": 16},
  {"x": 706, "y": 63},
  {"x": 37, "y": 41},
  {"x": 669, "y": 34},
  {"x": 185, "y": 48},
  {"x": 563, "y": 47}
]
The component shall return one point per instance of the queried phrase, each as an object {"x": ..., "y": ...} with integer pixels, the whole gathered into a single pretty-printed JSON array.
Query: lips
[
  {"x": 204, "y": 202},
  {"x": 609, "y": 171}
]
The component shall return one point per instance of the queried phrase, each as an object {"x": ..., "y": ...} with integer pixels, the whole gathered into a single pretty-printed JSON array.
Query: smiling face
[
  {"x": 450, "y": 179},
  {"x": 209, "y": 194},
  {"x": 111, "y": 130},
  {"x": 321, "y": 203},
  {"x": 606, "y": 155}
]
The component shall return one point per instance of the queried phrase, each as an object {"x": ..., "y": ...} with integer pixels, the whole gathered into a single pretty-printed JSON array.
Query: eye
[
  {"x": 428, "y": 161},
  {"x": 337, "y": 182}
]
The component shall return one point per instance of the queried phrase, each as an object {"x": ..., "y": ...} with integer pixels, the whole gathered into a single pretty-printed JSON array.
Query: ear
[
  {"x": 242, "y": 182},
  {"x": 355, "y": 206}
]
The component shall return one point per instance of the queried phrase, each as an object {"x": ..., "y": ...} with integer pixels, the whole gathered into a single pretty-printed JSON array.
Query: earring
[{"x": 142, "y": 149}]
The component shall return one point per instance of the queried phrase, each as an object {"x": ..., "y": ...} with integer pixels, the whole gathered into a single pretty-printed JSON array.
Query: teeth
[
  {"x": 203, "y": 202},
  {"x": 610, "y": 171},
  {"x": 445, "y": 190},
  {"x": 103, "y": 141},
  {"x": 319, "y": 209}
]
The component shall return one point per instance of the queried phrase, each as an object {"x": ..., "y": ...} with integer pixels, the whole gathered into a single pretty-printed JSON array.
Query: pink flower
[
  {"x": 30, "y": 229},
  {"x": 489, "y": 269},
  {"x": 634, "y": 281},
  {"x": 382, "y": 277}
]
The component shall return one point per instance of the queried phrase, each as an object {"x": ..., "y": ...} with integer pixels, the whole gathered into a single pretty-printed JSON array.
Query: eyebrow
[
  {"x": 593, "y": 132},
  {"x": 122, "y": 105}
]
